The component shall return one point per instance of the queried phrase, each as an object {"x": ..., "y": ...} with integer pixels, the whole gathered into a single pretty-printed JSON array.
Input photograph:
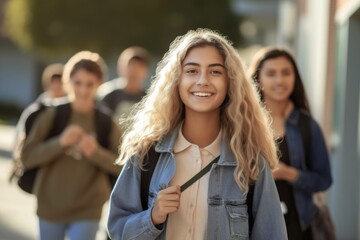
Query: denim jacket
[
  {"x": 227, "y": 208},
  {"x": 313, "y": 178}
]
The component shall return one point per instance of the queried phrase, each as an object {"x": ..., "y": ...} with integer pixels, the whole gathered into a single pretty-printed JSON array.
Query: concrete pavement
[
  {"x": 18, "y": 220},
  {"x": 17, "y": 209}
]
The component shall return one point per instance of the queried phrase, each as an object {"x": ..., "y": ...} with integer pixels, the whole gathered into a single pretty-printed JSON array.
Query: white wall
[{"x": 312, "y": 52}]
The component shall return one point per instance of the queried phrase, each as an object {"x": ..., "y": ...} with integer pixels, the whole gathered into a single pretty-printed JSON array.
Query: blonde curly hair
[{"x": 244, "y": 121}]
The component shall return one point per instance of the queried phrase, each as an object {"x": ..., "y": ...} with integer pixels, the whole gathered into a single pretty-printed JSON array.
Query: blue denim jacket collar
[
  {"x": 167, "y": 143},
  {"x": 294, "y": 117}
]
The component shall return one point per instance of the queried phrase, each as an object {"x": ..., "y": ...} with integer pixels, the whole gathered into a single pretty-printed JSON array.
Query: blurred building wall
[
  {"x": 345, "y": 194},
  {"x": 312, "y": 51},
  {"x": 329, "y": 56},
  {"x": 17, "y": 71}
]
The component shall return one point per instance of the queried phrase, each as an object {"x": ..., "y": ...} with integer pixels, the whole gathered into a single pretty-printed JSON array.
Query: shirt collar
[
  {"x": 181, "y": 143},
  {"x": 215, "y": 147}
]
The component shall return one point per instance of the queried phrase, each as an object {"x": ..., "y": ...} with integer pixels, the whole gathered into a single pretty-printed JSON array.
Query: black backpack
[
  {"x": 103, "y": 124},
  {"x": 150, "y": 162}
]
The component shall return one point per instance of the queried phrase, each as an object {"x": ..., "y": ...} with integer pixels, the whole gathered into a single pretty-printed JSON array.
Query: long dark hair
[{"x": 298, "y": 96}]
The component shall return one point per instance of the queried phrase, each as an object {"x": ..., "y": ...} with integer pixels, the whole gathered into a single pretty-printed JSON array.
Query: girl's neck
[
  {"x": 82, "y": 106},
  {"x": 279, "y": 109},
  {"x": 201, "y": 129}
]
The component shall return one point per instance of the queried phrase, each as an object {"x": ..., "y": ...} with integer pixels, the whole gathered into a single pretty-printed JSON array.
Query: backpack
[
  {"x": 26, "y": 178},
  {"x": 103, "y": 124},
  {"x": 322, "y": 226},
  {"x": 150, "y": 162}
]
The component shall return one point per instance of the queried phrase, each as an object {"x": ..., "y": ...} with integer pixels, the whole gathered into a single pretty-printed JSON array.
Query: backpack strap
[
  {"x": 305, "y": 130},
  {"x": 61, "y": 119},
  {"x": 150, "y": 162},
  {"x": 103, "y": 123},
  {"x": 249, "y": 203},
  {"x": 29, "y": 122}
]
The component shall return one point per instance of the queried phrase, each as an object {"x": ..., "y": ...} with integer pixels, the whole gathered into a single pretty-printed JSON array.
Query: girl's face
[
  {"x": 277, "y": 79},
  {"x": 203, "y": 82},
  {"x": 84, "y": 85}
]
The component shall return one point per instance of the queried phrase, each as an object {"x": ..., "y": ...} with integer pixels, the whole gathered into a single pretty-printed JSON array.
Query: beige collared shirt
[{"x": 190, "y": 221}]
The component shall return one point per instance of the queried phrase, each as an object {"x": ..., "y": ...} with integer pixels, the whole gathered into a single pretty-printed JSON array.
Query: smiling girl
[
  {"x": 200, "y": 106},
  {"x": 304, "y": 167},
  {"x": 73, "y": 156}
]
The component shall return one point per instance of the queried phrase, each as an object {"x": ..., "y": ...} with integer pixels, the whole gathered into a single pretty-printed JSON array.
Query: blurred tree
[{"x": 53, "y": 28}]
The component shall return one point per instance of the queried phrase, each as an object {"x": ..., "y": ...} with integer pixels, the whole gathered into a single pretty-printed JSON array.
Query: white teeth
[{"x": 202, "y": 94}]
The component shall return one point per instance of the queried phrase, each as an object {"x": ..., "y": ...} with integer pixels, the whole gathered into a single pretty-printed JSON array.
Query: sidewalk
[
  {"x": 18, "y": 220},
  {"x": 17, "y": 209}
]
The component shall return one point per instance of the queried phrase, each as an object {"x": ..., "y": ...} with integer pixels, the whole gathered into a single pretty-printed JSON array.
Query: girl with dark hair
[
  {"x": 73, "y": 147},
  {"x": 304, "y": 167}
]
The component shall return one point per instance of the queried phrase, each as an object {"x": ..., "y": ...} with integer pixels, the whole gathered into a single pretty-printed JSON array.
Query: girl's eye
[
  {"x": 216, "y": 72},
  {"x": 77, "y": 83},
  {"x": 90, "y": 85},
  {"x": 270, "y": 73},
  {"x": 191, "y": 71},
  {"x": 287, "y": 72}
]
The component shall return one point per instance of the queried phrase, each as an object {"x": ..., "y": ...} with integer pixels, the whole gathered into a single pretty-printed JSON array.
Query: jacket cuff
[{"x": 154, "y": 230}]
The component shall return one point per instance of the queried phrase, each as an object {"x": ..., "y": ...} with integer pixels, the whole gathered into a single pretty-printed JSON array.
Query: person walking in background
[
  {"x": 201, "y": 113},
  {"x": 54, "y": 94},
  {"x": 303, "y": 170},
  {"x": 74, "y": 147},
  {"x": 121, "y": 93}
]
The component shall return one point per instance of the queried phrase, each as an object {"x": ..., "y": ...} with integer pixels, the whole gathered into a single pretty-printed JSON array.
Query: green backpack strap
[{"x": 199, "y": 175}]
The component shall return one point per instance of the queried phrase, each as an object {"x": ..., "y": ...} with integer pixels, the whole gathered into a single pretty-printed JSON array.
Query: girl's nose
[{"x": 203, "y": 80}]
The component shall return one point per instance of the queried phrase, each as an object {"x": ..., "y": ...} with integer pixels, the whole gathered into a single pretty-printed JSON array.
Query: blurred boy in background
[{"x": 121, "y": 93}]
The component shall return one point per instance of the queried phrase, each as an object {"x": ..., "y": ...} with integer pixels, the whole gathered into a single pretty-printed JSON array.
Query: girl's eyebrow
[{"x": 198, "y": 65}]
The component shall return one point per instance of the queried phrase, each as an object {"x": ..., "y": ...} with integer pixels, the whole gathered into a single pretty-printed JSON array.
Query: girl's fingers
[
  {"x": 172, "y": 204},
  {"x": 164, "y": 210},
  {"x": 171, "y": 197},
  {"x": 170, "y": 209},
  {"x": 172, "y": 189}
]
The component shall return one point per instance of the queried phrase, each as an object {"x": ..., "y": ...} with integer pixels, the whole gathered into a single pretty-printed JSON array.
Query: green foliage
[
  {"x": 17, "y": 22},
  {"x": 60, "y": 27}
]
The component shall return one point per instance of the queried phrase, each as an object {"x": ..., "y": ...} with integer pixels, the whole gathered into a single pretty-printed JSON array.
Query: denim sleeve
[
  {"x": 268, "y": 219},
  {"x": 317, "y": 176},
  {"x": 126, "y": 219}
]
